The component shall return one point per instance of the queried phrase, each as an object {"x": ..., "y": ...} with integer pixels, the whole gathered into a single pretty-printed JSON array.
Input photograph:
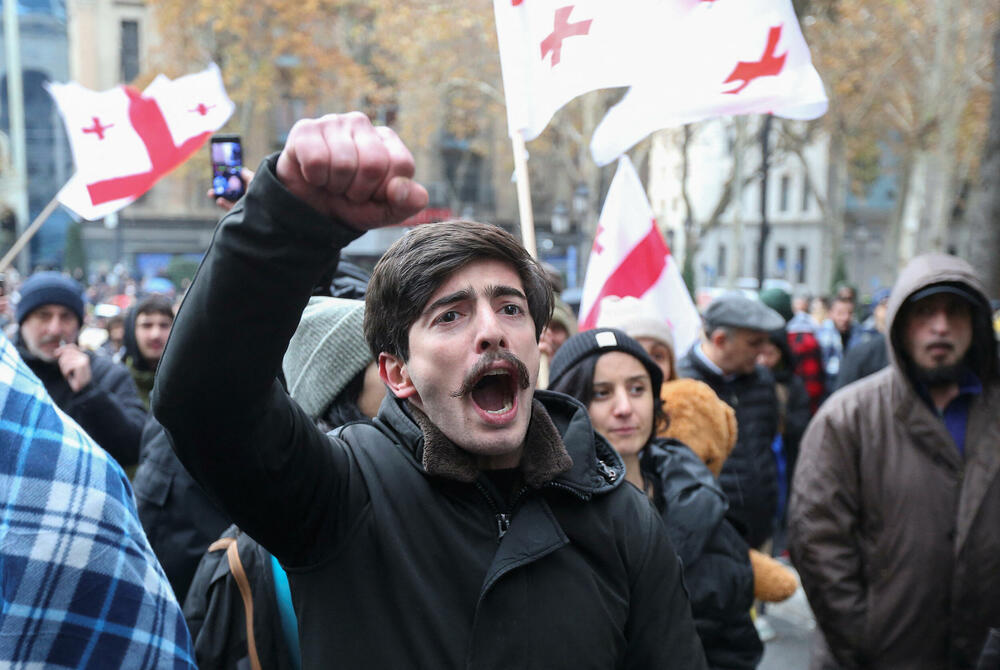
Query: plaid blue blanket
[{"x": 80, "y": 586}]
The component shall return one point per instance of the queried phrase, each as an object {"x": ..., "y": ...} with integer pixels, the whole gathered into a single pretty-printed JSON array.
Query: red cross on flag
[
  {"x": 720, "y": 58},
  {"x": 554, "y": 50},
  {"x": 124, "y": 141},
  {"x": 631, "y": 258}
]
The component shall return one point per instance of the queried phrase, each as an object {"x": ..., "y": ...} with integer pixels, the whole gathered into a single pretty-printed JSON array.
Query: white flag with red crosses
[
  {"x": 124, "y": 140},
  {"x": 631, "y": 258},
  {"x": 551, "y": 51},
  {"x": 716, "y": 58},
  {"x": 684, "y": 61}
]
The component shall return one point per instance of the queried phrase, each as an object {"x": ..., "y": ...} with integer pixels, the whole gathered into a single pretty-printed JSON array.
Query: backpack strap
[{"x": 243, "y": 584}]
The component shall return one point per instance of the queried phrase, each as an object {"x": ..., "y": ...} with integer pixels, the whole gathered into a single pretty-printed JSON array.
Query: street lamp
[{"x": 560, "y": 218}]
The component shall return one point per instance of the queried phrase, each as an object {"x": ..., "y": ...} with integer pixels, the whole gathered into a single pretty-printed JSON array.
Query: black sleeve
[
  {"x": 228, "y": 419},
  {"x": 863, "y": 360},
  {"x": 797, "y": 417},
  {"x": 110, "y": 410},
  {"x": 721, "y": 587},
  {"x": 660, "y": 628}
]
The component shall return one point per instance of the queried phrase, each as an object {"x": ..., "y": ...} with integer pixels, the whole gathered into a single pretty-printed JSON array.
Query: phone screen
[{"x": 227, "y": 161}]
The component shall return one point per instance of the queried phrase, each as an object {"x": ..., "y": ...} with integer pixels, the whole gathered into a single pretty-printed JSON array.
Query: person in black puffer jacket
[
  {"x": 736, "y": 330},
  {"x": 620, "y": 385}
]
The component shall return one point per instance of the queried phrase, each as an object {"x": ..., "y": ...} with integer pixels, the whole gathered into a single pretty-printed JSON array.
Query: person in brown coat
[{"x": 895, "y": 507}]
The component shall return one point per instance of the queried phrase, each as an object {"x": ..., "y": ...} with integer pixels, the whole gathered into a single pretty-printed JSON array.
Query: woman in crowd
[{"x": 614, "y": 377}]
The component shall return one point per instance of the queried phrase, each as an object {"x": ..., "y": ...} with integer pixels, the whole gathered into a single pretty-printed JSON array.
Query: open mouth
[{"x": 495, "y": 392}]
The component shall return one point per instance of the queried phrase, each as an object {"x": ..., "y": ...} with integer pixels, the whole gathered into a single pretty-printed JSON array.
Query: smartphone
[{"x": 227, "y": 162}]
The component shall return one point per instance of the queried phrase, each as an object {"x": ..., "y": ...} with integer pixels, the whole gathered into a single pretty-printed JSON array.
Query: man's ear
[
  {"x": 718, "y": 338},
  {"x": 392, "y": 370}
]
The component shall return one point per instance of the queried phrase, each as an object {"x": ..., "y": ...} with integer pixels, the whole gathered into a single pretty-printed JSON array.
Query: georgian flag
[
  {"x": 631, "y": 258},
  {"x": 721, "y": 58},
  {"x": 685, "y": 61},
  {"x": 551, "y": 51},
  {"x": 124, "y": 140}
]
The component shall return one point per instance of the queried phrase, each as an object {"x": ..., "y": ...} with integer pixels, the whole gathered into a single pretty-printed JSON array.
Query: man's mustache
[{"x": 483, "y": 366}]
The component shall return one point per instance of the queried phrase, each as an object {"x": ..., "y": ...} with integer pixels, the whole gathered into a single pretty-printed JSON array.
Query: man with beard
[
  {"x": 97, "y": 393},
  {"x": 147, "y": 326},
  {"x": 475, "y": 522},
  {"x": 896, "y": 499}
]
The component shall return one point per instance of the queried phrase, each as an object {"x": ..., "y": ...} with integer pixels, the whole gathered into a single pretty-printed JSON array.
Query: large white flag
[
  {"x": 719, "y": 58},
  {"x": 124, "y": 141},
  {"x": 631, "y": 258},
  {"x": 554, "y": 50},
  {"x": 685, "y": 60}
]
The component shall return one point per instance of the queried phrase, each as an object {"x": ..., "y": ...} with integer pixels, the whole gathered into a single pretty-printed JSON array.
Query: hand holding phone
[{"x": 227, "y": 162}]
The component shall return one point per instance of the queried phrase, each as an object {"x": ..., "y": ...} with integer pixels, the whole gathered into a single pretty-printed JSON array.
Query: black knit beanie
[
  {"x": 49, "y": 288},
  {"x": 601, "y": 341}
]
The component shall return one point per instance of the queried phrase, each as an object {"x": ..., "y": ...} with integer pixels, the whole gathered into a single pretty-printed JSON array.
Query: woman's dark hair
[
  {"x": 344, "y": 407},
  {"x": 578, "y": 381}
]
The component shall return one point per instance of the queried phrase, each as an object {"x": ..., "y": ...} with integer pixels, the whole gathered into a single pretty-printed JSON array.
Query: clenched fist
[{"x": 344, "y": 167}]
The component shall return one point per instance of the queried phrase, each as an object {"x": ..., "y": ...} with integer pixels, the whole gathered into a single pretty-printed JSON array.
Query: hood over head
[{"x": 932, "y": 269}]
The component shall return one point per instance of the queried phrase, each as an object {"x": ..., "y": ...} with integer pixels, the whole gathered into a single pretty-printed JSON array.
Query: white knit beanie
[
  {"x": 635, "y": 319},
  {"x": 327, "y": 350}
]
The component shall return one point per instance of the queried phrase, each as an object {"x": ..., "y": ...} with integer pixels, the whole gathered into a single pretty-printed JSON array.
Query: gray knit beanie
[{"x": 327, "y": 350}]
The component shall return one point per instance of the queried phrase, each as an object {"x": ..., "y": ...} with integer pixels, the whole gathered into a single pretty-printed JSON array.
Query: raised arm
[{"x": 229, "y": 420}]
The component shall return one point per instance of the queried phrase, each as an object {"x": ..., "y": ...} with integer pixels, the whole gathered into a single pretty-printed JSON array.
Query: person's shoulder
[{"x": 859, "y": 398}]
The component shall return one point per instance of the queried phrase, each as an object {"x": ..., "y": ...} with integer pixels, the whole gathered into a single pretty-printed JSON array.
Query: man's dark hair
[
  {"x": 841, "y": 299},
  {"x": 419, "y": 262},
  {"x": 155, "y": 304}
]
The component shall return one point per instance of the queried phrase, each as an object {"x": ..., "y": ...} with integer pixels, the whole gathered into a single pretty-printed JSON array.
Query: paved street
[{"x": 794, "y": 627}]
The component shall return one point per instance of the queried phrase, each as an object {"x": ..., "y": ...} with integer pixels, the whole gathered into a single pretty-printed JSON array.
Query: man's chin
[{"x": 940, "y": 375}]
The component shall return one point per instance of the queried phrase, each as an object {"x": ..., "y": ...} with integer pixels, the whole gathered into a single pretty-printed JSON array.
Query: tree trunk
[{"x": 984, "y": 206}]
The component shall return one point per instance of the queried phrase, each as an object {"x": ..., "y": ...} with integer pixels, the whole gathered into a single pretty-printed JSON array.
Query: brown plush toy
[{"x": 699, "y": 419}]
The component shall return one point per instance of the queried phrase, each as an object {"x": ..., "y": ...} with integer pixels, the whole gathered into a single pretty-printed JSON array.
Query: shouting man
[
  {"x": 896, "y": 499},
  {"x": 476, "y": 523}
]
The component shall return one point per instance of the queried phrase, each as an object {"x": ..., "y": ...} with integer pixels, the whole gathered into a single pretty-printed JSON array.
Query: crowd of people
[{"x": 300, "y": 466}]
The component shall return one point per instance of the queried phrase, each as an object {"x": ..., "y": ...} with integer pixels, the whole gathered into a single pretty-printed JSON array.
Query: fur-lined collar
[{"x": 544, "y": 456}]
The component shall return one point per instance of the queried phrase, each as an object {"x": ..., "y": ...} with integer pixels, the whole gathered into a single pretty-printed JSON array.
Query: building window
[
  {"x": 781, "y": 262},
  {"x": 720, "y": 261},
  {"x": 800, "y": 267},
  {"x": 786, "y": 185},
  {"x": 806, "y": 194},
  {"x": 130, "y": 51}
]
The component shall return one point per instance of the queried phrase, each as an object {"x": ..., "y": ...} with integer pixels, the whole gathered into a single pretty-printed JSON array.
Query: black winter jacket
[
  {"x": 108, "y": 408},
  {"x": 179, "y": 518},
  {"x": 862, "y": 360},
  {"x": 391, "y": 567},
  {"x": 716, "y": 559},
  {"x": 749, "y": 477}
]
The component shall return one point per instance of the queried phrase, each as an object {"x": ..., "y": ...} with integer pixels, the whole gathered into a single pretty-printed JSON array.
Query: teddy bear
[{"x": 707, "y": 425}]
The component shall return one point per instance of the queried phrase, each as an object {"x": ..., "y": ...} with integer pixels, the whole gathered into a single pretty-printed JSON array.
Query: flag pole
[
  {"x": 524, "y": 193},
  {"x": 29, "y": 233}
]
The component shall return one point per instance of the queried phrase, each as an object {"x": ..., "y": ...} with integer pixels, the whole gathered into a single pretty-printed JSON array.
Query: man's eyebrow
[
  {"x": 450, "y": 299},
  {"x": 504, "y": 291}
]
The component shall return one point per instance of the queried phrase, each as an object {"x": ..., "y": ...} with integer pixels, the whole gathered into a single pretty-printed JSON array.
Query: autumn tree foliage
[{"x": 916, "y": 76}]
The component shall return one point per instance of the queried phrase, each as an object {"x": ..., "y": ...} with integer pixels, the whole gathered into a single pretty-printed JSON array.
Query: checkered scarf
[{"x": 80, "y": 586}]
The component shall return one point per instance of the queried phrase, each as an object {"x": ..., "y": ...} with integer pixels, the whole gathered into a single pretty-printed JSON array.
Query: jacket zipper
[{"x": 502, "y": 519}]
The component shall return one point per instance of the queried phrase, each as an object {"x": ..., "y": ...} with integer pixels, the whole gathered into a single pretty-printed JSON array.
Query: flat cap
[{"x": 736, "y": 310}]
